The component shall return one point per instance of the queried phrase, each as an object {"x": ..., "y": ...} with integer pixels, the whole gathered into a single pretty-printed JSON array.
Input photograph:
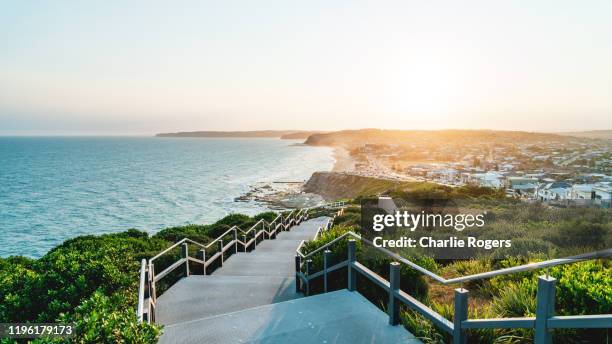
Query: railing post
[
  {"x": 461, "y": 313},
  {"x": 352, "y": 275},
  {"x": 326, "y": 259},
  {"x": 235, "y": 240},
  {"x": 221, "y": 250},
  {"x": 298, "y": 263},
  {"x": 308, "y": 268},
  {"x": 142, "y": 291},
  {"x": 152, "y": 293},
  {"x": 545, "y": 309},
  {"x": 394, "y": 284},
  {"x": 184, "y": 255},
  {"x": 244, "y": 242},
  {"x": 254, "y": 239},
  {"x": 201, "y": 255},
  {"x": 153, "y": 290}
]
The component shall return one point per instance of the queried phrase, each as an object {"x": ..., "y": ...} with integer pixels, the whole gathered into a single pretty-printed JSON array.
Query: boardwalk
[{"x": 252, "y": 299}]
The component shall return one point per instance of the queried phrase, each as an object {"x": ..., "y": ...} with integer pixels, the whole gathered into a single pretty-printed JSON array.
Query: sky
[{"x": 142, "y": 67}]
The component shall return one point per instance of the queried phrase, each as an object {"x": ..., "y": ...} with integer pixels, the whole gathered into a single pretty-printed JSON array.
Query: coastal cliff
[{"x": 333, "y": 185}]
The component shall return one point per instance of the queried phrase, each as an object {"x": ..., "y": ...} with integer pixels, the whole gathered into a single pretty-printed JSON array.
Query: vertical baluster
[
  {"x": 254, "y": 238},
  {"x": 221, "y": 250},
  {"x": 545, "y": 309},
  {"x": 352, "y": 274},
  {"x": 394, "y": 283},
  {"x": 235, "y": 240},
  {"x": 326, "y": 259},
  {"x": 147, "y": 294},
  {"x": 298, "y": 262},
  {"x": 244, "y": 242},
  {"x": 152, "y": 291},
  {"x": 461, "y": 314},
  {"x": 185, "y": 255},
  {"x": 201, "y": 255},
  {"x": 308, "y": 270}
]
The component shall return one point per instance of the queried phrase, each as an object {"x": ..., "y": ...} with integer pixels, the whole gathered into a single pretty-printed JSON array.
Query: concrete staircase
[{"x": 252, "y": 299}]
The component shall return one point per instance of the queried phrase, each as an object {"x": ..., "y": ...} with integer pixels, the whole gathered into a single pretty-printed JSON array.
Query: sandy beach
[{"x": 344, "y": 161}]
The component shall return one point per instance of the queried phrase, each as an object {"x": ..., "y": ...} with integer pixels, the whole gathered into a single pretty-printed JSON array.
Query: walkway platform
[
  {"x": 252, "y": 299},
  {"x": 339, "y": 317}
]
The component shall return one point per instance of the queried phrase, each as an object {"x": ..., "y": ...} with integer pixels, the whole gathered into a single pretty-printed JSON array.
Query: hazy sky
[{"x": 140, "y": 67}]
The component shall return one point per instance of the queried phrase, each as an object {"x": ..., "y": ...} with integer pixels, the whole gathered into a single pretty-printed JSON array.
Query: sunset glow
[{"x": 116, "y": 68}]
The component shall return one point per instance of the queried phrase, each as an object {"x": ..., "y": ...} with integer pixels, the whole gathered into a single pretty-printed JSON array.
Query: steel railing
[
  {"x": 543, "y": 322},
  {"x": 147, "y": 295}
]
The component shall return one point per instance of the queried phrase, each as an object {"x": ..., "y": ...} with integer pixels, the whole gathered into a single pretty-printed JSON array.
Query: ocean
[{"x": 57, "y": 188}]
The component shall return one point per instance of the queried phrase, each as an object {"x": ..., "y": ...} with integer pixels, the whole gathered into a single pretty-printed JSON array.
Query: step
[
  {"x": 254, "y": 267},
  {"x": 259, "y": 256},
  {"x": 278, "y": 245},
  {"x": 199, "y": 296},
  {"x": 336, "y": 317},
  {"x": 296, "y": 234}
]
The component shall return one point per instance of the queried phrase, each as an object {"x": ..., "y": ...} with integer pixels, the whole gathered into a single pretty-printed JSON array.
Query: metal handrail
[
  {"x": 147, "y": 268},
  {"x": 285, "y": 221},
  {"x": 484, "y": 275},
  {"x": 543, "y": 322}
]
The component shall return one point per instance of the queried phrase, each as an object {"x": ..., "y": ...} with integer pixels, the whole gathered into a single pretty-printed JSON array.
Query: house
[
  {"x": 489, "y": 179},
  {"x": 554, "y": 191},
  {"x": 525, "y": 187},
  {"x": 603, "y": 195},
  {"x": 582, "y": 191}
]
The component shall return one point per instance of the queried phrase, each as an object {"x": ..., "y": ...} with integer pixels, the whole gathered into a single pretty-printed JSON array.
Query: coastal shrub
[
  {"x": 234, "y": 220},
  {"x": 462, "y": 268},
  {"x": 581, "y": 233},
  {"x": 410, "y": 280},
  {"x": 16, "y": 290},
  {"x": 92, "y": 281},
  {"x": 584, "y": 288},
  {"x": 515, "y": 300},
  {"x": 11, "y": 261},
  {"x": 348, "y": 220},
  {"x": 422, "y": 328},
  {"x": 268, "y": 216},
  {"x": 194, "y": 232},
  {"x": 107, "y": 319}
]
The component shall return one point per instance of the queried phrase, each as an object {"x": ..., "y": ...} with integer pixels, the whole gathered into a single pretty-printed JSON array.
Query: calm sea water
[{"x": 53, "y": 189}]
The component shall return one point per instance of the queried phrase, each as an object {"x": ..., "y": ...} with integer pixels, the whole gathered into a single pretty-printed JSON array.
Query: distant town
[{"x": 560, "y": 170}]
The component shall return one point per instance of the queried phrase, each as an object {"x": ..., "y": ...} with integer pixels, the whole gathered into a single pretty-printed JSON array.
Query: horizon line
[{"x": 149, "y": 134}]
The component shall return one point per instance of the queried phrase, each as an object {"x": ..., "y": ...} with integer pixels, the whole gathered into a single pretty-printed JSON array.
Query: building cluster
[{"x": 570, "y": 171}]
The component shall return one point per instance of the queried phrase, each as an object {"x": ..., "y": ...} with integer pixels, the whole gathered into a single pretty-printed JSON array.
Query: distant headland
[{"x": 283, "y": 134}]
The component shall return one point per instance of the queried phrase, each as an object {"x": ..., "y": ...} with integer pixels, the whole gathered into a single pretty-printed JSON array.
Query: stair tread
[
  {"x": 335, "y": 317},
  {"x": 252, "y": 299},
  {"x": 199, "y": 296}
]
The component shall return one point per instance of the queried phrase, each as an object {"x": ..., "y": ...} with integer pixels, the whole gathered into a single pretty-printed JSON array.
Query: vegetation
[
  {"x": 92, "y": 281},
  {"x": 582, "y": 288}
]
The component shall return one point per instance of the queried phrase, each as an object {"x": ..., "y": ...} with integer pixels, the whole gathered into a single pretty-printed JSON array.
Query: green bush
[
  {"x": 515, "y": 300},
  {"x": 104, "y": 319},
  {"x": 92, "y": 281}
]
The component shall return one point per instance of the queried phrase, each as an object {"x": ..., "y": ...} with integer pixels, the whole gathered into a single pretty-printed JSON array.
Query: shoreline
[
  {"x": 280, "y": 195},
  {"x": 343, "y": 160}
]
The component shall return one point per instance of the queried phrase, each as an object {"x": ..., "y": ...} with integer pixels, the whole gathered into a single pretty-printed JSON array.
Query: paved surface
[
  {"x": 260, "y": 277},
  {"x": 335, "y": 317},
  {"x": 252, "y": 299}
]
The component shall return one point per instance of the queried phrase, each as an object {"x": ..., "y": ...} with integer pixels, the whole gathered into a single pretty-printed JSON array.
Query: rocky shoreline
[{"x": 282, "y": 195}]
